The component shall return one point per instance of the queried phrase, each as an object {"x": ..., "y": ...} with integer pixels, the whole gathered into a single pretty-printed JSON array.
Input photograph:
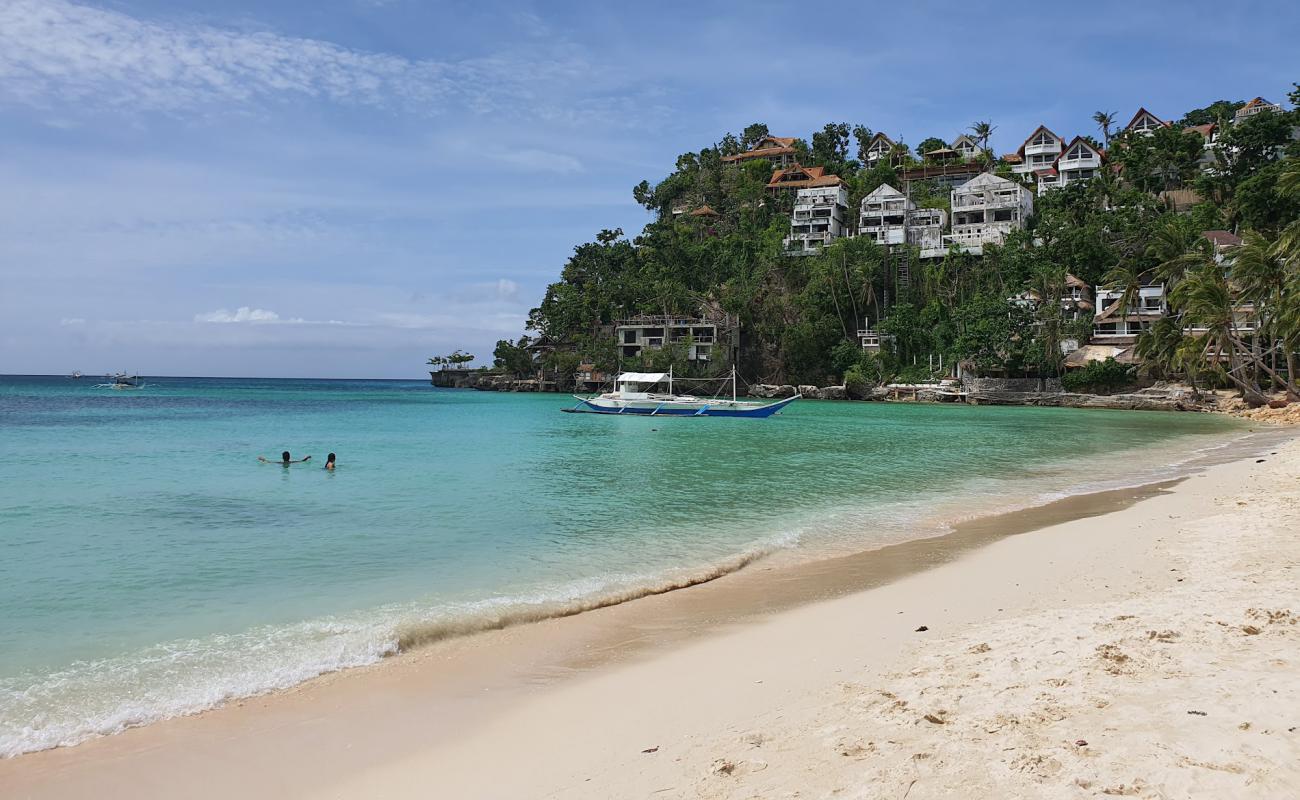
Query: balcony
[{"x": 1053, "y": 148}]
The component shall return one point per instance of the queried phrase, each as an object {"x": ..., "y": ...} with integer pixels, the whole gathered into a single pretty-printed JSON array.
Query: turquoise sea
[{"x": 150, "y": 566}]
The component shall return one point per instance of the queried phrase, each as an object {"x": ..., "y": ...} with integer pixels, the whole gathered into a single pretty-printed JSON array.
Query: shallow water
[{"x": 150, "y": 566}]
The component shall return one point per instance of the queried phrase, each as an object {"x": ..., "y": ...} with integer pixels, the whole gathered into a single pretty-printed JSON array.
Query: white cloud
[
  {"x": 241, "y": 314},
  {"x": 69, "y": 322},
  {"x": 507, "y": 289},
  {"x": 54, "y": 53}
]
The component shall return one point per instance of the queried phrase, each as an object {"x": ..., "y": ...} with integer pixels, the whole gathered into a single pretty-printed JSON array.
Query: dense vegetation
[{"x": 799, "y": 315}]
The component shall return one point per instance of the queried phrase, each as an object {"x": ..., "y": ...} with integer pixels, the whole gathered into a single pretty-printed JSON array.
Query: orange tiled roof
[
  {"x": 704, "y": 211},
  {"x": 812, "y": 176},
  {"x": 766, "y": 147}
]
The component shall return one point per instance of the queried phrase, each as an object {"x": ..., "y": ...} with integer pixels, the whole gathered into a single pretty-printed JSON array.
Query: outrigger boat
[
  {"x": 633, "y": 395},
  {"x": 122, "y": 381}
]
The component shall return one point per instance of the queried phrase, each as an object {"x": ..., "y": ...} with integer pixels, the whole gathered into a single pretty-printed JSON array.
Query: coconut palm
[
  {"x": 1263, "y": 277},
  {"x": 1176, "y": 247},
  {"x": 1126, "y": 277},
  {"x": 1104, "y": 120},
  {"x": 983, "y": 130},
  {"x": 1207, "y": 302}
]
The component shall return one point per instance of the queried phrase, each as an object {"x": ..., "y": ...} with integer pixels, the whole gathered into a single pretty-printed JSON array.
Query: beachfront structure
[
  {"x": 1115, "y": 321},
  {"x": 701, "y": 335},
  {"x": 1079, "y": 161},
  {"x": 1257, "y": 106},
  {"x": 966, "y": 147},
  {"x": 1038, "y": 152},
  {"x": 889, "y": 218},
  {"x": 872, "y": 340},
  {"x": 1144, "y": 123},
  {"x": 985, "y": 209},
  {"x": 799, "y": 177},
  {"x": 818, "y": 219},
  {"x": 880, "y": 147},
  {"x": 776, "y": 150}
]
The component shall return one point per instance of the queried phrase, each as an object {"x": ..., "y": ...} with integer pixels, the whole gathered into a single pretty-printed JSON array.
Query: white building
[
  {"x": 880, "y": 147},
  {"x": 1112, "y": 322},
  {"x": 966, "y": 147},
  {"x": 700, "y": 335},
  {"x": 1257, "y": 106},
  {"x": 985, "y": 209},
  {"x": 1080, "y": 161},
  {"x": 1144, "y": 123},
  {"x": 887, "y": 217},
  {"x": 1038, "y": 152},
  {"x": 818, "y": 219}
]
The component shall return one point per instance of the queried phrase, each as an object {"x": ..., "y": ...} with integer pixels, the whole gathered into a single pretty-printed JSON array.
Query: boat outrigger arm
[{"x": 633, "y": 395}]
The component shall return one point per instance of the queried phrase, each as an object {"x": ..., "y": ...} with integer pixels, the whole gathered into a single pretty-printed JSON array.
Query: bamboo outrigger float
[{"x": 632, "y": 395}]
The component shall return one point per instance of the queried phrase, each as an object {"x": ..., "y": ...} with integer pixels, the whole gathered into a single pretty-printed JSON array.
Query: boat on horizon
[
  {"x": 121, "y": 380},
  {"x": 633, "y": 395}
]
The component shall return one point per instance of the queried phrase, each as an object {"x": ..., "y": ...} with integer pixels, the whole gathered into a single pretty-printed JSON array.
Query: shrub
[
  {"x": 1100, "y": 377},
  {"x": 856, "y": 384}
]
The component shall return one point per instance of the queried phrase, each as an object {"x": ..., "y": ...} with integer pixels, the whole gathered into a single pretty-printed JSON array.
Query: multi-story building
[
  {"x": 966, "y": 147},
  {"x": 776, "y": 150},
  {"x": 985, "y": 209},
  {"x": 798, "y": 177},
  {"x": 1209, "y": 134},
  {"x": 1257, "y": 106},
  {"x": 880, "y": 147},
  {"x": 1038, "y": 152},
  {"x": 818, "y": 219},
  {"x": 705, "y": 337},
  {"x": 1114, "y": 321},
  {"x": 1080, "y": 161},
  {"x": 1144, "y": 123},
  {"x": 888, "y": 217}
]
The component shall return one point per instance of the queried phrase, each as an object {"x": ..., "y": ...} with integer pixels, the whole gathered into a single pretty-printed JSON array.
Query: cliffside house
[
  {"x": 948, "y": 174},
  {"x": 941, "y": 155},
  {"x": 1078, "y": 162},
  {"x": 818, "y": 219},
  {"x": 653, "y": 331},
  {"x": 1144, "y": 123},
  {"x": 1224, "y": 242},
  {"x": 1038, "y": 152},
  {"x": 985, "y": 209},
  {"x": 589, "y": 378},
  {"x": 966, "y": 147},
  {"x": 872, "y": 340},
  {"x": 1076, "y": 300},
  {"x": 889, "y": 218},
  {"x": 1114, "y": 323},
  {"x": 880, "y": 147},
  {"x": 1209, "y": 134},
  {"x": 1257, "y": 106},
  {"x": 798, "y": 177},
  {"x": 776, "y": 150}
]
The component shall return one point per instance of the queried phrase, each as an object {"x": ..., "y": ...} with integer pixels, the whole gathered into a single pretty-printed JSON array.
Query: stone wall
[{"x": 1011, "y": 384}]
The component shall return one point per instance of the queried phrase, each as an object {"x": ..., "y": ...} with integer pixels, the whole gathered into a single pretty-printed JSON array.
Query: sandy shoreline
[{"x": 795, "y": 701}]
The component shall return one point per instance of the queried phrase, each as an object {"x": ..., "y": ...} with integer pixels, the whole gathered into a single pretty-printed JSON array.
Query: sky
[{"x": 305, "y": 188}]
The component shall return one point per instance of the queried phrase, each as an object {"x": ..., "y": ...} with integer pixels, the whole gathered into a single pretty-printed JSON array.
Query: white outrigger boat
[{"x": 633, "y": 395}]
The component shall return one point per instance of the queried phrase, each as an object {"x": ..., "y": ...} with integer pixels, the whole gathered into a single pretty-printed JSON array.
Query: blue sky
[{"x": 345, "y": 188}]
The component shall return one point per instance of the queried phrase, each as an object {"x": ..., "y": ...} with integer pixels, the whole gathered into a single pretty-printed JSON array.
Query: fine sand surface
[{"x": 1151, "y": 651}]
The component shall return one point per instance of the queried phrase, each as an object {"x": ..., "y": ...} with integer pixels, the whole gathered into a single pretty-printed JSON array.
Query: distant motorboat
[
  {"x": 121, "y": 380},
  {"x": 76, "y": 374},
  {"x": 632, "y": 395}
]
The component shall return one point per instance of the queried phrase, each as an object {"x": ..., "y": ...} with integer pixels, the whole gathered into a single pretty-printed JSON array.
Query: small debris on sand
[
  {"x": 654, "y": 749},
  {"x": 922, "y": 628},
  {"x": 1198, "y": 713}
]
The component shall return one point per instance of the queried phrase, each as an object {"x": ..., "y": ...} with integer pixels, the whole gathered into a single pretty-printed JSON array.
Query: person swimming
[
  {"x": 329, "y": 462},
  {"x": 285, "y": 459}
]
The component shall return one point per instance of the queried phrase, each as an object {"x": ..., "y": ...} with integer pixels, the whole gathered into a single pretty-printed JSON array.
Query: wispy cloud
[
  {"x": 241, "y": 314},
  {"x": 54, "y": 52}
]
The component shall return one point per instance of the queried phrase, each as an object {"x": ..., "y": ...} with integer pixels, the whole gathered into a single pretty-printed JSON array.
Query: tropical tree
[
  {"x": 1264, "y": 279},
  {"x": 983, "y": 131},
  {"x": 1104, "y": 120},
  {"x": 1207, "y": 301}
]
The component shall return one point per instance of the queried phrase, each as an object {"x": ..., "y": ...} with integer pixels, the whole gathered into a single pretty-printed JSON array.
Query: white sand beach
[{"x": 1148, "y": 652}]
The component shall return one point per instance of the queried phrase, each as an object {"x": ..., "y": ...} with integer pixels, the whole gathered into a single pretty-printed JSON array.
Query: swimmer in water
[
  {"x": 285, "y": 459},
  {"x": 329, "y": 462}
]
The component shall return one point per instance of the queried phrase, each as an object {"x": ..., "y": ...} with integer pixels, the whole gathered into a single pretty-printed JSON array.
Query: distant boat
[
  {"x": 121, "y": 380},
  {"x": 632, "y": 395},
  {"x": 76, "y": 374}
]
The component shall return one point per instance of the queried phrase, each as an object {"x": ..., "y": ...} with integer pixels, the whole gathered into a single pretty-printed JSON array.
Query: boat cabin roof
[{"x": 641, "y": 377}]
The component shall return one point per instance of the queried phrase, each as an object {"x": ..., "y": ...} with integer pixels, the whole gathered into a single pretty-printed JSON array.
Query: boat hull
[{"x": 680, "y": 409}]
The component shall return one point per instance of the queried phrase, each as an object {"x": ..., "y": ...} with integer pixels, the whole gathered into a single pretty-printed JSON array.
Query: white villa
[
  {"x": 1257, "y": 106},
  {"x": 1110, "y": 324},
  {"x": 985, "y": 209},
  {"x": 966, "y": 147},
  {"x": 1079, "y": 162},
  {"x": 887, "y": 217},
  {"x": 1038, "y": 152},
  {"x": 818, "y": 218},
  {"x": 1144, "y": 123},
  {"x": 879, "y": 148}
]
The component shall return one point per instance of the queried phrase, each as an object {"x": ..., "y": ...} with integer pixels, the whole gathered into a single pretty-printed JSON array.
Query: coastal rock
[
  {"x": 831, "y": 393},
  {"x": 807, "y": 390},
  {"x": 762, "y": 390}
]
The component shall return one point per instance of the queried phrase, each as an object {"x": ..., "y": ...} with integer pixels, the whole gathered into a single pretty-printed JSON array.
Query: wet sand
[{"x": 537, "y": 709}]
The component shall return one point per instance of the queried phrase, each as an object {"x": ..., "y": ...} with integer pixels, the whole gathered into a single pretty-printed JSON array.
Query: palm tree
[
  {"x": 1176, "y": 247},
  {"x": 1207, "y": 301},
  {"x": 983, "y": 130},
  {"x": 1262, "y": 275},
  {"x": 1104, "y": 120}
]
